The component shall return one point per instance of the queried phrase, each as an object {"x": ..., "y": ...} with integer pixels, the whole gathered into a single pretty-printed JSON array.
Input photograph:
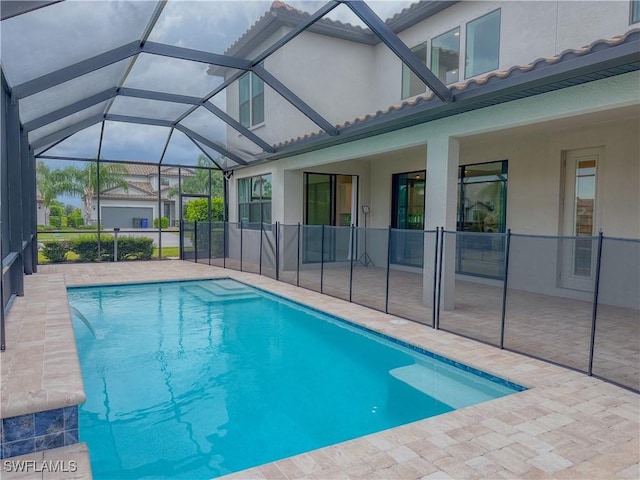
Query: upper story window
[
  {"x": 445, "y": 56},
  {"x": 254, "y": 199},
  {"x": 483, "y": 44},
  {"x": 164, "y": 182},
  {"x": 411, "y": 84},
  {"x": 251, "y": 100},
  {"x": 635, "y": 11}
]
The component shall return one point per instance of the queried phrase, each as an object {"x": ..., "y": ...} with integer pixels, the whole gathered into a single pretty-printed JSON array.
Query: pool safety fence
[{"x": 572, "y": 301}]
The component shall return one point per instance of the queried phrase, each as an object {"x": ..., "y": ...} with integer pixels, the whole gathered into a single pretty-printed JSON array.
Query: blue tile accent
[
  {"x": 39, "y": 431},
  {"x": 46, "y": 442},
  {"x": 397, "y": 341},
  {"x": 71, "y": 418},
  {"x": 51, "y": 421},
  {"x": 18, "y": 428},
  {"x": 71, "y": 437},
  {"x": 21, "y": 447}
]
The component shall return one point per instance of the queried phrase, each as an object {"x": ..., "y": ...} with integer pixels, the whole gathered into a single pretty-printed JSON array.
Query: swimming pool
[{"x": 202, "y": 378}]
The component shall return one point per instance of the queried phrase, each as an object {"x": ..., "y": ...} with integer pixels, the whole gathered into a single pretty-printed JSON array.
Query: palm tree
[
  {"x": 199, "y": 182},
  {"x": 84, "y": 182},
  {"x": 50, "y": 184}
]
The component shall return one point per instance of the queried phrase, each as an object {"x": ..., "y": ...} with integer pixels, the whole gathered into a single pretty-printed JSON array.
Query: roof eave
[
  {"x": 416, "y": 13},
  {"x": 604, "y": 63}
]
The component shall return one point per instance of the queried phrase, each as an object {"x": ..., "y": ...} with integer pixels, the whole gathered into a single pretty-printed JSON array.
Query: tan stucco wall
[
  {"x": 534, "y": 158},
  {"x": 534, "y": 202}
]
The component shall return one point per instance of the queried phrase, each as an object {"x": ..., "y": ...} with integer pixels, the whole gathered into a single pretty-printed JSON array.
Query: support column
[
  {"x": 443, "y": 153},
  {"x": 14, "y": 173}
]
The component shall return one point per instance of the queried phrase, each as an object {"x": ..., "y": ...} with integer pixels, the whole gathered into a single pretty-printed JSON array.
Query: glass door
[
  {"x": 408, "y": 214},
  {"x": 319, "y": 189},
  {"x": 329, "y": 201},
  {"x": 578, "y": 262},
  {"x": 482, "y": 210}
]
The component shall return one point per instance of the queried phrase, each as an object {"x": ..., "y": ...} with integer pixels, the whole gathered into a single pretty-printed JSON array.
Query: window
[
  {"x": 411, "y": 84},
  {"x": 445, "y": 56},
  {"x": 254, "y": 199},
  {"x": 251, "y": 100},
  {"x": 164, "y": 182},
  {"x": 408, "y": 200},
  {"x": 483, "y": 44},
  {"x": 635, "y": 11},
  {"x": 482, "y": 208},
  {"x": 483, "y": 197}
]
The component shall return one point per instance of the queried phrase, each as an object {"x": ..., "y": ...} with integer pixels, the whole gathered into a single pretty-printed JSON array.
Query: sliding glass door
[
  {"x": 330, "y": 200},
  {"x": 408, "y": 214},
  {"x": 482, "y": 209}
]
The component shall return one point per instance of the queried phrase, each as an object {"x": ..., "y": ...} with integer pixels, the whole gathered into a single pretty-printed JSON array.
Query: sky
[{"x": 64, "y": 33}]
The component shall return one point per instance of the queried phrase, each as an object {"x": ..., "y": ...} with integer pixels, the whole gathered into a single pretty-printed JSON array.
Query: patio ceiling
[{"x": 157, "y": 82}]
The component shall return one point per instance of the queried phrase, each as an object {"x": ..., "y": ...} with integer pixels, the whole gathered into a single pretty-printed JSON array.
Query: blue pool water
[{"x": 199, "y": 379}]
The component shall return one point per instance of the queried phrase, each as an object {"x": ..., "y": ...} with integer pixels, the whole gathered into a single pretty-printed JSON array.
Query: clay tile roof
[
  {"x": 483, "y": 80},
  {"x": 149, "y": 170},
  {"x": 130, "y": 196},
  {"x": 144, "y": 186}
]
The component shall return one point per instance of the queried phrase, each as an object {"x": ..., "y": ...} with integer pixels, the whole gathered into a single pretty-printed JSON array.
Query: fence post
[
  {"x": 115, "y": 244},
  {"x": 504, "y": 288},
  {"x": 435, "y": 278},
  {"x": 277, "y": 250},
  {"x": 241, "y": 242},
  {"x": 260, "y": 254},
  {"x": 322, "y": 259},
  {"x": 195, "y": 241},
  {"x": 182, "y": 240},
  {"x": 352, "y": 261},
  {"x": 440, "y": 277},
  {"x": 298, "y": 259},
  {"x": 224, "y": 244},
  {"x": 594, "y": 312},
  {"x": 386, "y": 294}
]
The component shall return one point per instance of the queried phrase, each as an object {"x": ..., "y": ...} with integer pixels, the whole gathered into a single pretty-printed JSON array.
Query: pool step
[
  {"x": 447, "y": 384},
  {"x": 215, "y": 294}
]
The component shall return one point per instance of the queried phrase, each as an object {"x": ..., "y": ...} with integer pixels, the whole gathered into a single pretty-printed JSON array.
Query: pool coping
[{"x": 40, "y": 367}]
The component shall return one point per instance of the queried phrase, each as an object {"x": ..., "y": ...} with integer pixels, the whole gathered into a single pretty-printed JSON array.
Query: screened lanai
[
  {"x": 174, "y": 84},
  {"x": 150, "y": 92},
  {"x": 134, "y": 111}
]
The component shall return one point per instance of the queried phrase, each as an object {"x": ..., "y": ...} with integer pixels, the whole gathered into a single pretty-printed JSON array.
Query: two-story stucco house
[
  {"x": 145, "y": 195},
  {"x": 542, "y": 137}
]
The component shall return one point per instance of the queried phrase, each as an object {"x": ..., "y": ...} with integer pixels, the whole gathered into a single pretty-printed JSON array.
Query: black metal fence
[{"x": 573, "y": 301}]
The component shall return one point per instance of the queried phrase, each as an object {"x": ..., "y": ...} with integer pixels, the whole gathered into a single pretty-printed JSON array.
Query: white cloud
[
  {"x": 126, "y": 141},
  {"x": 67, "y": 32},
  {"x": 206, "y": 25},
  {"x": 171, "y": 75}
]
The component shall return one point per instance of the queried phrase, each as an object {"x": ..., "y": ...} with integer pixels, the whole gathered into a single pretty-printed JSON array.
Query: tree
[
  {"x": 199, "y": 182},
  {"x": 83, "y": 182},
  {"x": 69, "y": 209},
  {"x": 50, "y": 184},
  {"x": 197, "y": 210}
]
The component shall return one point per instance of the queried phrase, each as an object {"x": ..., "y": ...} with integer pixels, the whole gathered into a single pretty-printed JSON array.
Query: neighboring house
[
  {"x": 42, "y": 212},
  {"x": 138, "y": 206}
]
